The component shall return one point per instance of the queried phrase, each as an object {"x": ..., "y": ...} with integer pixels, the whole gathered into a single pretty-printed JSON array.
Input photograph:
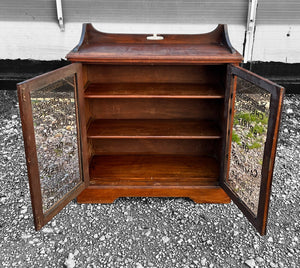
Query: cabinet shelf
[
  {"x": 153, "y": 170},
  {"x": 154, "y": 90},
  {"x": 153, "y": 129}
]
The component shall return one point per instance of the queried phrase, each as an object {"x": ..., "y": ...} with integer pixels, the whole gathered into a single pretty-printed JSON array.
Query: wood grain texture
[
  {"x": 24, "y": 89},
  {"x": 155, "y": 108},
  {"x": 199, "y": 194},
  {"x": 154, "y": 90},
  {"x": 96, "y": 46},
  {"x": 152, "y": 167},
  {"x": 203, "y": 147},
  {"x": 154, "y": 128},
  {"x": 151, "y": 73},
  {"x": 259, "y": 221}
]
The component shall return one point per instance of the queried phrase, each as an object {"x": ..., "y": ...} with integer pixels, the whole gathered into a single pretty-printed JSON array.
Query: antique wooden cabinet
[{"x": 152, "y": 116}]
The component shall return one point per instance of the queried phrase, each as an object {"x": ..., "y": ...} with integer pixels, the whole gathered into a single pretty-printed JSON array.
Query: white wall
[
  {"x": 272, "y": 43},
  {"x": 45, "y": 41}
]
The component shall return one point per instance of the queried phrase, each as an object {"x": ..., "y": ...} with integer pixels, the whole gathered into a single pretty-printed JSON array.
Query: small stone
[
  {"x": 47, "y": 230},
  {"x": 102, "y": 238},
  {"x": 203, "y": 261},
  {"x": 286, "y": 130},
  {"x": 295, "y": 239},
  {"x": 14, "y": 117},
  {"x": 250, "y": 263},
  {"x": 273, "y": 265},
  {"x": 270, "y": 239},
  {"x": 165, "y": 239},
  {"x": 138, "y": 265},
  {"x": 259, "y": 259},
  {"x": 209, "y": 242},
  {"x": 53, "y": 223},
  {"x": 24, "y": 210},
  {"x": 289, "y": 111},
  {"x": 95, "y": 235},
  {"x": 25, "y": 236},
  {"x": 76, "y": 252},
  {"x": 70, "y": 262},
  {"x": 148, "y": 233},
  {"x": 211, "y": 265}
]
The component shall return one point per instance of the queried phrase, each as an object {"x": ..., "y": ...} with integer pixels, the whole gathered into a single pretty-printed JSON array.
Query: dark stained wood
[
  {"x": 31, "y": 155},
  {"x": 154, "y": 119},
  {"x": 179, "y": 74},
  {"x": 152, "y": 167},
  {"x": 24, "y": 89},
  {"x": 198, "y": 147},
  {"x": 154, "y": 90},
  {"x": 155, "y": 108},
  {"x": 265, "y": 193},
  {"x": 199, "y": 194},
  {"x": 154, "y": 182},
  {"x": 153, "y": 128},
  {"x": 277, "y": 92},
  {"x": 96, "y": 46},
  {"x": 82, "y": 117}
]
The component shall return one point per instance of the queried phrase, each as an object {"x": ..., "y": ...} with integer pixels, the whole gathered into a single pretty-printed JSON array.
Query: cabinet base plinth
[{"x": 201, "y": 194}]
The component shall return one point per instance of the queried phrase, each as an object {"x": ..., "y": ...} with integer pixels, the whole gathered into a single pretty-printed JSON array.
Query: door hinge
[
  {"x": 23, "y": 93},
  {"x": 39, "y": 223}
]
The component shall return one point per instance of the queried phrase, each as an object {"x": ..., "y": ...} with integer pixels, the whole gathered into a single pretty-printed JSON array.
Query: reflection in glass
[
  {"x": 249, "y": 134},
  {"x": 54, "y": 119}
]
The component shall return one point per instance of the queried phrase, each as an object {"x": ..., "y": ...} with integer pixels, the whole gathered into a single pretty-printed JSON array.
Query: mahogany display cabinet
[{"x": 151, "y": 116}]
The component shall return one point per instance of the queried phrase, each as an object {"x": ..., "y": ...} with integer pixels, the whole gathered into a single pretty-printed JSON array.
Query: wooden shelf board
[
  {"x": 154, "y": 171},
  {"x": 155, "y": 90},
  {"x": 154, "y": 128},
  {"x": 199, "y": 194}
]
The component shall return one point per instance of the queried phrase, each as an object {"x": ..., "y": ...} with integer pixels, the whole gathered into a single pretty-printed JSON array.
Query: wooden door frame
[
  {"x": 24, "y": 89},
  {"x": 277, "y": 93}
]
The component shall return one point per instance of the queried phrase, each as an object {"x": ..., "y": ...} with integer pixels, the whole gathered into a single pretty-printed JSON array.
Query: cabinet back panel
[
  {"x": 155, "y": 109},
  {"x": 155, "y": 73},
  {"x": 154, "y": 146}
]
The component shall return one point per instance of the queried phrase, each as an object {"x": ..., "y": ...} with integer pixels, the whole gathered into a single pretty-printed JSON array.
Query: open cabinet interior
[
  {"x": 154, "y": 125},
  {"x": 137, "y": 117}
]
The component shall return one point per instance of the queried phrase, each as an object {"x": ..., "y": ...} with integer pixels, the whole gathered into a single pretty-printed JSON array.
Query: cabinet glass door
[
  {"x": 50, "y": 122},
  {"x": 253, "y": 123}
]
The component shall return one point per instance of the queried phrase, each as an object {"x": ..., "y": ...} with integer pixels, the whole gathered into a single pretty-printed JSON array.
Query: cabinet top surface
[{"x": 98, "y": 47}]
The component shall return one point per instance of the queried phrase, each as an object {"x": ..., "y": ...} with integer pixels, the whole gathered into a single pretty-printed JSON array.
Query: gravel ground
[{"x": 147, "y": 232}]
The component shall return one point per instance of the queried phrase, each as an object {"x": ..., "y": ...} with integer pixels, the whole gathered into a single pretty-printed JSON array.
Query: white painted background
[{"x": 45, "y": 41}]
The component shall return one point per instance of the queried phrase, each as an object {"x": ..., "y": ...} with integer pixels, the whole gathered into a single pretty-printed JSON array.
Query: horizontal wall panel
[
  {"x": 28, "y": 10},
  {"x": 157, "y": 11},
  {"x": 130, "y": 11},
  {"x": 278, "y": 12}
]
